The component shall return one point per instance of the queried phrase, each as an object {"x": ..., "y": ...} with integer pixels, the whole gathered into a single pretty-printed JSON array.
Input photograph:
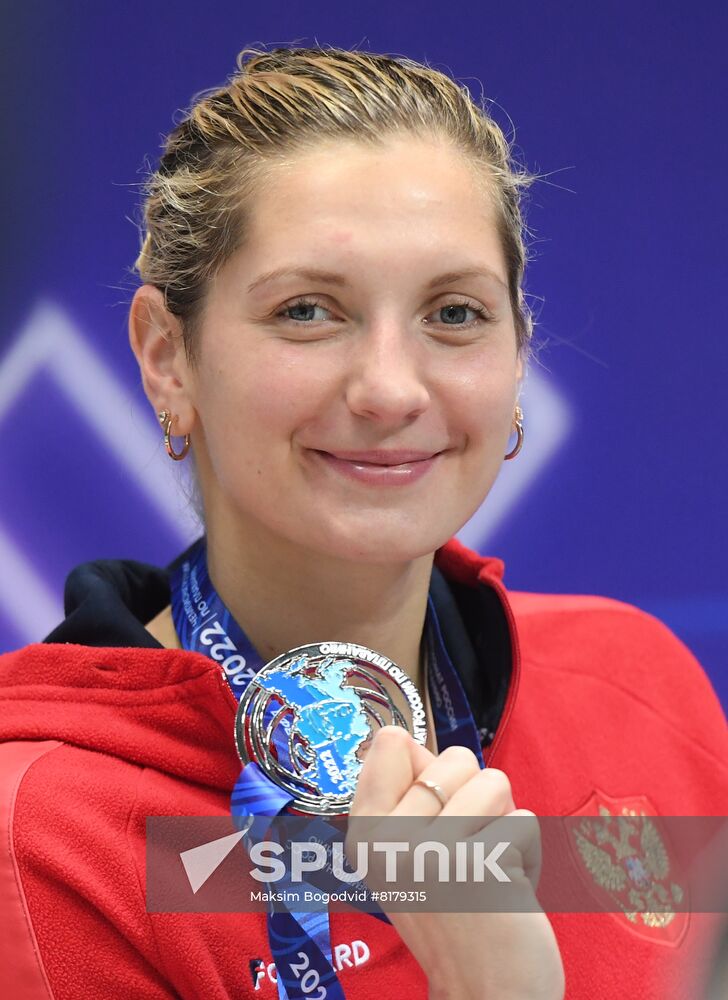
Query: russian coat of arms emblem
[{"x": 621, "y": 849}]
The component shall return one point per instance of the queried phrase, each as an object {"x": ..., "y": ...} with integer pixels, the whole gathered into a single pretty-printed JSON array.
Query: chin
[{"x": 379, "y": 543}]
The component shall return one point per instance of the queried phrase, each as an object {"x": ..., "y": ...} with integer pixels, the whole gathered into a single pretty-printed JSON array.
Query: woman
[{"x": 331, "y": 324}]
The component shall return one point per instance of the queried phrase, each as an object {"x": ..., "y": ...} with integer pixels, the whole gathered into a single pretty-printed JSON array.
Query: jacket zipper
[
  {"x": 515, "y": 668},
  {"x": 222, "y": 677}
]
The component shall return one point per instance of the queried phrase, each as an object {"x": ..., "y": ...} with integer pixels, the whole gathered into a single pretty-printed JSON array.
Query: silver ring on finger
[{"x": 435, "y": 788}]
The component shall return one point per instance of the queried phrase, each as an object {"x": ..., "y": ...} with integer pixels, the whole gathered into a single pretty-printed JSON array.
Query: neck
[{"x": 285, "y": 596}]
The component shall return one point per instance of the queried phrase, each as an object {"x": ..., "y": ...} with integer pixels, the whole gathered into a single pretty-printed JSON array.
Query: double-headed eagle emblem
[{"x": 625, "y": 854}]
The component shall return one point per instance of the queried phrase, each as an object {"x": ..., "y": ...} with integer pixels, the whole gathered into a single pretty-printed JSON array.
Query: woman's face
[{"x": 357, "y": 366}]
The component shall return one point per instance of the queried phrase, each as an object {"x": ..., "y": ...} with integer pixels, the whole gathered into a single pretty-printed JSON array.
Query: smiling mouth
[
  {"x": 380, "y": 469},
  {"x": 381, "y": 459}
]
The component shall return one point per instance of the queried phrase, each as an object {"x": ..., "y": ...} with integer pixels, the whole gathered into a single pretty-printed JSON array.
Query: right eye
[{"x": 302, "y": 311}]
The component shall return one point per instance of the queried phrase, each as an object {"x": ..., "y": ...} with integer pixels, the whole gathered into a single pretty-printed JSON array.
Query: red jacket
[{"x": 605, "y": 709}]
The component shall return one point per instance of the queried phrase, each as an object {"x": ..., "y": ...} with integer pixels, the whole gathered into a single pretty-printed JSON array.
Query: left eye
[{"x": 455, "y": 314}]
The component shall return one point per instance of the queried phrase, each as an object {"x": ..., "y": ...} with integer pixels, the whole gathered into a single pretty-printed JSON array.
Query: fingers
[
  {"x": 395, "y": 762},
  {"x": 529, "y": 844},
  {"x": 392, "y": 763},
  {"x": 486, "y": 794},
  {"x": 479, "y": 801},
  {"x": 421, "y": 757},
  {"x": 521, "y": 831},
  {"x": 483, "y": 808},
  {"x": 451, "y": 770}
]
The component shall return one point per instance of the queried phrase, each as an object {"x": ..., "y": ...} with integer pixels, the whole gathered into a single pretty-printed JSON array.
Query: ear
[
  {"x": 155, "y": 335},
  {"x": 520, "y": 373}
]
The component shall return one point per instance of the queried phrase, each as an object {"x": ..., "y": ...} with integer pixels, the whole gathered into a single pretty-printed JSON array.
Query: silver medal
[{"x": 307, "y": 716}]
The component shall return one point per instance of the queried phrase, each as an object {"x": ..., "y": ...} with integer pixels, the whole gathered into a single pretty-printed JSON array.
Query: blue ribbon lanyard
[
  {"x": 454, "y": 723},
  {"x": 300, "y": 943}
]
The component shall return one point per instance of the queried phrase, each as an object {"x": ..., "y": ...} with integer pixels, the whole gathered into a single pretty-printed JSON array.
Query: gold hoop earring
[
  {"x": 166, "y": 420},
  {"x": 519, "y": 432}
]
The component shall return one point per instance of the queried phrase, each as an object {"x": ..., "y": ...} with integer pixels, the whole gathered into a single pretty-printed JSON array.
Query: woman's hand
[{"x": 483, "y": 956}]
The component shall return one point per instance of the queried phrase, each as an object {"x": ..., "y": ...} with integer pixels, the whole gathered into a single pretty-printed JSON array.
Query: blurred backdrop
[{"x": 622, "y": 485}]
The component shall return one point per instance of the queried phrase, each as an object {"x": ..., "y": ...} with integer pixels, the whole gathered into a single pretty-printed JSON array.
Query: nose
[{"x": 387, "y": 383}]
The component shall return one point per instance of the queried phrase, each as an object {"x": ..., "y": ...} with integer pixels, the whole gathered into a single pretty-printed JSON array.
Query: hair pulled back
[{"x": 287, "y": 100}]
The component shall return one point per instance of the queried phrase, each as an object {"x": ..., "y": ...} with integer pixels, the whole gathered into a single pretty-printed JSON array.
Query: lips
[
  {"x": 380, "y": 467},
  {"x": 382, "y": 457}
]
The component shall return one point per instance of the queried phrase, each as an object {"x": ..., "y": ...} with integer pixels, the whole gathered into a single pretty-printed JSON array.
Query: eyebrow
[
  {"x": 310, "y": 274},
  {"x": 332, "y": 278},
  {"x": 450, "y": 277}
]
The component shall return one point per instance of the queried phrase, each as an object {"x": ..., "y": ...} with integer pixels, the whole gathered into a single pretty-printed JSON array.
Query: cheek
[
  {"x": 257, "y": 407},
  {"x": 482, "y": 403}
]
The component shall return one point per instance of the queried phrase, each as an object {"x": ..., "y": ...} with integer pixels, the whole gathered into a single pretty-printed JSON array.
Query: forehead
[{"x": 404, "y": 203}]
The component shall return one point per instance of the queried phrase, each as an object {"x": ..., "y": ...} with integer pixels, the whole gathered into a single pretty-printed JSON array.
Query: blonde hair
[{"x": 287, "y": 100}]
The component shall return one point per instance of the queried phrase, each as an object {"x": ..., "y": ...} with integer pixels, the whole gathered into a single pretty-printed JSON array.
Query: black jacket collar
[{"x": 108, "y": 602}]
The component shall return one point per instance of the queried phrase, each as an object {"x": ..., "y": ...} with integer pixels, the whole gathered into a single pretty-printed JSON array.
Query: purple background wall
[{"x": 622, "y": 487}]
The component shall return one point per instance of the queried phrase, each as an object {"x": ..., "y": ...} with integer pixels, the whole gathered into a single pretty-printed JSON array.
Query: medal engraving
[{"x": 306, "y": 718}]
